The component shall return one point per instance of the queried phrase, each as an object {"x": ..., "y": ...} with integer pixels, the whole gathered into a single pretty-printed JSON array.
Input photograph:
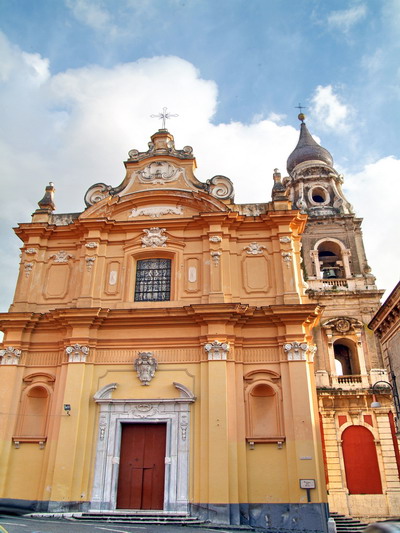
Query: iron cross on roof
[{"x": 164, "y": 116}]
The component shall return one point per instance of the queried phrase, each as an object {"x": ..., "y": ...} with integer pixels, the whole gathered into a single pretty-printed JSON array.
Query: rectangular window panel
[{"x": 153, "y": 280}]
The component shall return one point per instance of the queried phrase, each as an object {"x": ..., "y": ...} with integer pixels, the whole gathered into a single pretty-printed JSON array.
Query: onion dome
[{"x": 307, "y": 149}]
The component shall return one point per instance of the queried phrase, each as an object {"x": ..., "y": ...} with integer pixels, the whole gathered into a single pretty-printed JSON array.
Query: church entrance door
[{"x": 142, "y": 467}]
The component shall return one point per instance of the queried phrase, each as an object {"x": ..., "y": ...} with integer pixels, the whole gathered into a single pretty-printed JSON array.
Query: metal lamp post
[{"x": 395, "y": 394}]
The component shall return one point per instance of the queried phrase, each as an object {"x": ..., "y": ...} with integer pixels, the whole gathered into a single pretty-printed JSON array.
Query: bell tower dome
[{"x": 314, "y": 186}]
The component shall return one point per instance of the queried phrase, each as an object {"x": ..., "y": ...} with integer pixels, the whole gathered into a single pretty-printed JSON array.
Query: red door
[
  {"x": 361, "y": 461},
  {"x": 141, "y": 467}
]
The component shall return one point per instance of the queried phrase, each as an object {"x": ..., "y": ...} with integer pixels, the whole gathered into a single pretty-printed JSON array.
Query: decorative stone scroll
[
  {"x": 220, "y": 187},
  {"x": 217, "y": 351},
  {"x": 61, "y": 257},
  {"x": 254, "y": 248},
  {"x": 216, "y": 257},
  {"x": 10, "y": 356},
  {"x": 154, "y": 238},
  {"x": 287, "y": 257},
  {"x": 298, "y": 351},
  {"x": 28, "y": 268},
  {"x": 156, "y": 211},
  {"x": 145, "y": 365},
  {"x": 90, "y": 262},
  {"x": 96, "y": 193},
  {"x": 77, "y": 353}
]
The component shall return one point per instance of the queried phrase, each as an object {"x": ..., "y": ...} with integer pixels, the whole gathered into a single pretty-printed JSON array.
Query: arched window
[
  {"x": 346, "y": 359},
  {"x": 361, "y": 461},
  {"x": 330, "y": 260}
]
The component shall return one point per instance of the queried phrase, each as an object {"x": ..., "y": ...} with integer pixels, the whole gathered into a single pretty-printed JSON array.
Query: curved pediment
[{"x": 159, "y": 205}]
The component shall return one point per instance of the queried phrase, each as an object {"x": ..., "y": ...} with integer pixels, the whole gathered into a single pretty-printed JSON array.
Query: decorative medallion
[
  {"x": 91, "y": 245},
  {"x": 158, "y": 172},
  {"x": 61, "y": 257},
  {"x": 77, "y": 353},
  {"x": 31, "y": 251},
  {"x": 215, "y": 238},
  {"x": 145, "y": 365},
  {"x": 156, "y": 211},
  {"x": 10, "y": 356},
  {"x": 254, "y": 248},
  {"x": 343, "y": 325},
  {"x": 217, "y": 351},
  {"x": 285, "y": 239},
  {"x": 154, "y": 238}
]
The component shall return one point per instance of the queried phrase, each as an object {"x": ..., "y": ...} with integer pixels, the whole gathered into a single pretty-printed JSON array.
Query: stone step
[
  {"x": 137, "y": 518},
  {"x": 346, "y": 524}
]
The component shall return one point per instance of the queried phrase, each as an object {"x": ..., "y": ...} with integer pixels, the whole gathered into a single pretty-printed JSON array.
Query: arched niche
[
  {"x": 346, "y": 358},
  {"x": 331, "y": 259}
]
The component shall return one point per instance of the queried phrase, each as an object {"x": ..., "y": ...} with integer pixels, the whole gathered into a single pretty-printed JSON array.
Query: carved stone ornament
[
  {"x": 216, "y": 257},
  {"x": 158, "y": 172},
  {"x": 296, "y": 351},
  {"x": 154, "y": 238},
  {"x": 220, "y": 187},
  {"x": 77, "y": 353},
  {"x": 31, "y": 251},
  {"x": 90, "y": 262},
  {"x": 156, "y": 211},
  {"x": 61, "y": 257},
  {"x": 28, "y": 268},
  {"x": 254, "y": 248},
  {"x": 285, "y": 239},
  {"x": 97, "y": 192},
  {"x": 145, "y": 365},
  {"x": 343, "y": 325},
  {"x": 10, "y": 356},
  {"x": 91, "y": 245},
  {"x": 217, "y": 351},
  {"x": 215, "y": 238},
  {"x": 287, "y": 257}
]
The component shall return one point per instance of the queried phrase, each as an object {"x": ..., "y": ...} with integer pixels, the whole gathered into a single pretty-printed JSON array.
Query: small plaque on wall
[{"x": 307, "y": 483}]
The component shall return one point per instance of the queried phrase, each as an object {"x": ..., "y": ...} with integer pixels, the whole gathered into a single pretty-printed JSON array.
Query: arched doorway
[{"x": 361, "y": 461}]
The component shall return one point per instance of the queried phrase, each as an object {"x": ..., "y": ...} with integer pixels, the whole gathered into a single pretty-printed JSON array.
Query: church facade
[{"x": 158, "y": 354}]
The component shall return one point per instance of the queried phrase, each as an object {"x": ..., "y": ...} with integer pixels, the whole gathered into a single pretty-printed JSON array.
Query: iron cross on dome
[{"x": 164, "y": 116}]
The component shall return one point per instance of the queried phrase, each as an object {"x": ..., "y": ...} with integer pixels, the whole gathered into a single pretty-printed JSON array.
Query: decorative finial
[
  {"x": 163, "y": 116},
  {"x": 301, "y": 116}
]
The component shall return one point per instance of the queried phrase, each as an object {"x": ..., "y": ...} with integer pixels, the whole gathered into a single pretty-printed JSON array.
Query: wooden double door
[{"x": 142, "y": 466}]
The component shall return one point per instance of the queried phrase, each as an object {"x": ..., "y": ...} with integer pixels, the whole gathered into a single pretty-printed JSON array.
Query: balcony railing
[
  {"x": 338, "y": 284},
  {"x": 325, "y": 380},
  {"x": 349, "y": 379}
]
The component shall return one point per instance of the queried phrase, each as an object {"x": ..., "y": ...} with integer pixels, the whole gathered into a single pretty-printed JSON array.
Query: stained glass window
[{"x": 153, "y": 280}]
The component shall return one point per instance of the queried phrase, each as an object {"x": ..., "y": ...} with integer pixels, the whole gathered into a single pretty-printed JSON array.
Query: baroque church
[{"x": 169, "y": 351}]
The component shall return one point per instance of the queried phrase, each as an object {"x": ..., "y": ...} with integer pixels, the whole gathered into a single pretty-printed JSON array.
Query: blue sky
[{"x": 79, "y": 79}]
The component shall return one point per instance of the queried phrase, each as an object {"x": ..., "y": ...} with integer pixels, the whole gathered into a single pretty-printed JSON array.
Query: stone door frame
[{"x": 175, "y": 412}]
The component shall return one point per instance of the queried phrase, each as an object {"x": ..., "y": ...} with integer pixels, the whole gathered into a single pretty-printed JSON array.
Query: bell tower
[{"x": 348, "y": 361}]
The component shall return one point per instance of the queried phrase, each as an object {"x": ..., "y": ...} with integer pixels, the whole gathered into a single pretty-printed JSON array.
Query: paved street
[{"x": 21, "y": 524}]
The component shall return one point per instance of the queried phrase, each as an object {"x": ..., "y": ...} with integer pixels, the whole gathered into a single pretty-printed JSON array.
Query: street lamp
[{"x": 395, "y": 394}]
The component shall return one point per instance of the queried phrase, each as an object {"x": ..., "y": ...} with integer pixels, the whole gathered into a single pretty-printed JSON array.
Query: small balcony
[
  {"x": 338, "y": 284},
  {"x": 325, "y": 380}
]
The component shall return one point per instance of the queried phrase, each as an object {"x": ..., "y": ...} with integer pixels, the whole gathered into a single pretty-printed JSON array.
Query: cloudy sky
[{"x": 79, "y": 80}]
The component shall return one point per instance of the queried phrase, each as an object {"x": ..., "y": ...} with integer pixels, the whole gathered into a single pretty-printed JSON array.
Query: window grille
[{"x": 153, "y": 280}]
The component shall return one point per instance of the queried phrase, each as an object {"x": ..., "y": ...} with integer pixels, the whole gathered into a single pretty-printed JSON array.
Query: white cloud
[
  {"x": 76, "y": 127},
  {"x": 92, "y": 14},
  {"x": 328, "y": 111},
  {"x": 371, "y": 192},
  {"x": 344, "y": 20}
]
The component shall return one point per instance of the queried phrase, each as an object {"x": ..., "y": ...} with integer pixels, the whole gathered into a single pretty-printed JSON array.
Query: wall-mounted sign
[{"x": 307, "y": 483}]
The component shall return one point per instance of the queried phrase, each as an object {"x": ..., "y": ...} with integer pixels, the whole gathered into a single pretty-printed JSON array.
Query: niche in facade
[
  {"x": 346, "y": 361},
  {"x": 330, "y": 260}
]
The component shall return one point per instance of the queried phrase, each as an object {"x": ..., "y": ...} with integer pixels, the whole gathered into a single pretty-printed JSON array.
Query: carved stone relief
[
  {"x": 158, "y": 172},
  {"x": 156, "y": 211},
  {"x": 285, "y": 239},
  {"x": 77, "y": 353},
  {"x": 61, "y": 257},
  {"x": 216, "y": 257},
  {"x": 287, "y": 257},
  {"x": 89, "y": 262},
  {"x": 91, "y": 245},
  {"x": 10, "y": 356},
  {"x": 145, "y": 365},
  {"x": 298, "y": 351},
  {"x": 254, "y": 248},
  {"x": 31, "y": 251},
  {"x": 215, "y": 238},
  {"x": 28, "y": 268},
  {"x": 154, "y": 238},
  {"x": 220, "y": 187}
]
